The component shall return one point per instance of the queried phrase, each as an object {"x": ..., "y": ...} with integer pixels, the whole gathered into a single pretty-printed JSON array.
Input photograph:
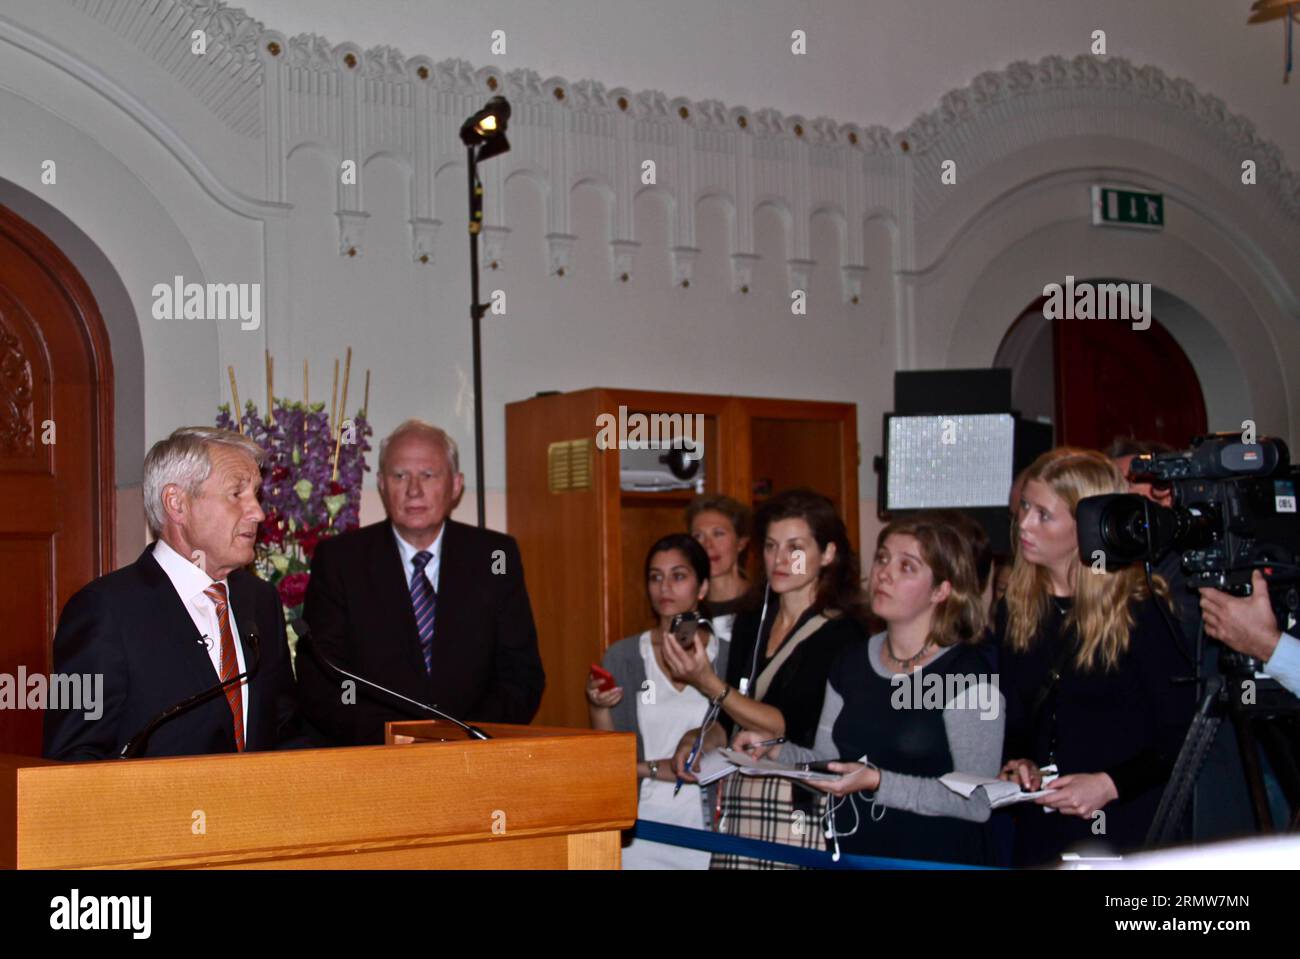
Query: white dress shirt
[
  {"x": 408, "y": 553},
  {"x": 1284, "y": 664},
  {"x": 189, "y": 582}
]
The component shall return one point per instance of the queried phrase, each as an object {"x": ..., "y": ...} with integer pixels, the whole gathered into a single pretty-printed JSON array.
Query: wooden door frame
[{"x": 64, "y": 274}]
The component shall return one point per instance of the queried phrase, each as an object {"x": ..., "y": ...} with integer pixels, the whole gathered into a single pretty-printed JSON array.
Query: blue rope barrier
[{"x": 707, "y": 841}]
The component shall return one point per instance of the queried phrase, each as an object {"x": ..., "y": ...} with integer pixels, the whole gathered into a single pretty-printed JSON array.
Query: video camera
[{"x": 1234, "y": 511}]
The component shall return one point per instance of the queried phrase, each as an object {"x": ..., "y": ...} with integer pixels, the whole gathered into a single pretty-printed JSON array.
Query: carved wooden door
[{"x": 56, "y": 506}]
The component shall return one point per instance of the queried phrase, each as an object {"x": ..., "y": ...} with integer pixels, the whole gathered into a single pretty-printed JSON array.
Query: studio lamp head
[{"x": 488, "y": 128}]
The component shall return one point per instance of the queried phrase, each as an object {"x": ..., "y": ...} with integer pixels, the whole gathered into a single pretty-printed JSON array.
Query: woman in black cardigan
[
  {"x": 778, "y": 663},
  {"x": 1088, "y": 664}
]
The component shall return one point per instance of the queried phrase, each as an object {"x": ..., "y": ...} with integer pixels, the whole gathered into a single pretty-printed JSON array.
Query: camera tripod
[{"x": 1263, "y": 714}]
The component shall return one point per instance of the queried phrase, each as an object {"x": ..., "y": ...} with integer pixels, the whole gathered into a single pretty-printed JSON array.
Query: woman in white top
[{"x": 660, "y": 709}]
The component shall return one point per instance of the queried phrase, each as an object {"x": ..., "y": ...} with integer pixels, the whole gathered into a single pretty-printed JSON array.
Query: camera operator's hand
[{"x": 1246, "y": 623}]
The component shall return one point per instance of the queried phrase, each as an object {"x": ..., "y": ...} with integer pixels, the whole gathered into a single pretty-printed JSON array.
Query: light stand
[{"x": 484, "y": 136}]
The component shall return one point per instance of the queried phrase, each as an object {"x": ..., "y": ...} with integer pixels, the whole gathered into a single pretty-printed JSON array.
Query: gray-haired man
[
  {"x": 428, "y": 607},
  {"x": 178, "y": 620}
]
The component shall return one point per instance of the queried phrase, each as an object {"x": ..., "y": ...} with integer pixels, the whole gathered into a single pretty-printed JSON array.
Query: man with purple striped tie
[{"x": 423, "y": 605}]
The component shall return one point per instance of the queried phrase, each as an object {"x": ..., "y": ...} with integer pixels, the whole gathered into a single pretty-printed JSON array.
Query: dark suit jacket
[
  {"x": 132, "y": 627},
  {"x": 486, "y": 667}
]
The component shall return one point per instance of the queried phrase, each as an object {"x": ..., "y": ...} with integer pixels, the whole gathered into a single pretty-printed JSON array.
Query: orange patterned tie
[{"x": 229, "y": 662}]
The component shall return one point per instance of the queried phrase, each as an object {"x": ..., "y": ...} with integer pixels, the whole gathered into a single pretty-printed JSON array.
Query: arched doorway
[
  {"x": 56, "y": 454},
  {"x": 1099, "y": 379}
]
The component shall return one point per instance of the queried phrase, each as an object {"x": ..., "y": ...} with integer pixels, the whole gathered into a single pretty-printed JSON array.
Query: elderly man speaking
[{"x": 179, "y": 619}]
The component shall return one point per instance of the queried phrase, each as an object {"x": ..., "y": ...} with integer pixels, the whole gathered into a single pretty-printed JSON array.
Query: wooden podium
[{"x": 533, "y": 797}]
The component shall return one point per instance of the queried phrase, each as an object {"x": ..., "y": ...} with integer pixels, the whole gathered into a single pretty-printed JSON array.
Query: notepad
[
  {"x": 723, "y": 762},
  {"x": 713, "y": 766},
  {"x": 999, "y": 792}
]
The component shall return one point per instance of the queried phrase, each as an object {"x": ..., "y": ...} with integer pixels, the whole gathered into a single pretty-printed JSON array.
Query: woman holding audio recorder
[
  {"x": 812, "y": 609},
  {"x": 634, "y": 691}
]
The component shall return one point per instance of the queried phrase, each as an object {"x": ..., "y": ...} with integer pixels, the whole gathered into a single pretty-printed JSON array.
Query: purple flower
[{"x": 300, "y": 451}]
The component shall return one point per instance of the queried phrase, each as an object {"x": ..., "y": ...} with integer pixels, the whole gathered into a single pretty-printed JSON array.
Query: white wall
[
  {"x": 1224, "y": 383},
  {"x": 1027, "y": 352},
  {"x": 165, "y": 177},
  {"x": 869, "y": 61}
]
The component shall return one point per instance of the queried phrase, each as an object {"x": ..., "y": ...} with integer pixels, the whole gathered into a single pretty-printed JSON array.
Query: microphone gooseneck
[
  {"x": 136, "y": 744},
  {"x": 304, "y": 637}
]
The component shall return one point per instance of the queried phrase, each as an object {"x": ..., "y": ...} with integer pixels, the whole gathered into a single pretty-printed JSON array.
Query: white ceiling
[{"x": 869, "y": 61}]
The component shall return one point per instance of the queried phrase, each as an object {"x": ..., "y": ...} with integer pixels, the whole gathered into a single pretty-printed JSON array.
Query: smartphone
[
  {"x": 684, "y": 625},
  {"x": 603, "y": 677},
  {"x": 822, "y": 766}
]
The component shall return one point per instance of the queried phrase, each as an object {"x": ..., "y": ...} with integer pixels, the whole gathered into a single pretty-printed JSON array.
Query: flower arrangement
[{"x": 311, "y": 484}]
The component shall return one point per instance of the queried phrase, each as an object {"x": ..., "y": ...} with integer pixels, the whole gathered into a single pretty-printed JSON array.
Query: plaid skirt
[{"x": 765, "y": 807}]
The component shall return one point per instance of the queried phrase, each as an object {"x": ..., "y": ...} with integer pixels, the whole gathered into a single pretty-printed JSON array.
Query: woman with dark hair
[
  {"x": 915, "y": 703},
  {"x": 780, "y": 657},
  {"x": 1088, "y": 665},
  {"x": 660, "y": 706},
  {"x": 721, "y": 525}
]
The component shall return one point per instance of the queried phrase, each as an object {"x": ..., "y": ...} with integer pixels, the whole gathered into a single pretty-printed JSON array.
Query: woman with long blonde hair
[{"x": 1087, "y": 665}]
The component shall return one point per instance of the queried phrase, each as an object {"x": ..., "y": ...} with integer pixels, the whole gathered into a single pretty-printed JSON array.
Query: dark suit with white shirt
[
  {"x": 133, "y": 627},
  {"x": 484, "y": 666}
]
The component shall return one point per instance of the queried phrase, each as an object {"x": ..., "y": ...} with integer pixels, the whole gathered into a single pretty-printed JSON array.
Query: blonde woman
[
  {"x": 1088, "y": 664},
  {"x": 721, "y": 525},
  {"x": 916, "y": 702}
]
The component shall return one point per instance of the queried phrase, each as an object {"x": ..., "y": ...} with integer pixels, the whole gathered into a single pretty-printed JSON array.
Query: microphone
[
  {"x": 136, "y": 744},
  {"x": 304, "y": 636}
]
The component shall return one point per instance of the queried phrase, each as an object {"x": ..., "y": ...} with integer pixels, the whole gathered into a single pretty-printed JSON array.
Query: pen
[
  {"x": 767, "y": 742},
  {"x": 709, "y": 717},
  {"x": 695, "y": 751}
]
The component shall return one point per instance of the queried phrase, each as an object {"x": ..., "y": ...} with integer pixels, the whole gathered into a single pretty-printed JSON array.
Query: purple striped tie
[{"x": 424, "y": 600}]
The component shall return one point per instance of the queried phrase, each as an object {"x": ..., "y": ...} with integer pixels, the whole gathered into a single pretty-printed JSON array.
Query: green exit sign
[{"x": 1136, "y": 209}]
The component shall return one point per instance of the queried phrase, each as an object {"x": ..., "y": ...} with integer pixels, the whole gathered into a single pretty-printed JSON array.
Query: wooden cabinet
[{"x": 584, "y": 538}]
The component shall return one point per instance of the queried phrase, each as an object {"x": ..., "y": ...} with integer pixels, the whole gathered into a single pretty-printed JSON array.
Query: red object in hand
[{"x": 604, "y": 677}]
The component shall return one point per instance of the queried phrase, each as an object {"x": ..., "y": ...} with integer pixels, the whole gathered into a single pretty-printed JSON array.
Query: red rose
[
  {"x": 279, "y": 474},
  {"x": 270, "y": 531},
  {"x": 293, "y": 588},
  {"x": 308, "y": 539},
  {"x": 336, "y": 487}
]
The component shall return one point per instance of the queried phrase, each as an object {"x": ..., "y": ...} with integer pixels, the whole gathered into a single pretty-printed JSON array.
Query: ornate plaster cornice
[
  {"x": 227, "y": 78},
  {"x": 287, "y": 92},
  {"x": 1054, "y": 75}
]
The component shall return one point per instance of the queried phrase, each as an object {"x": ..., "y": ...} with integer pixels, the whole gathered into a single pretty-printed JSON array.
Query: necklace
[{"x": 910, "y": 661}]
